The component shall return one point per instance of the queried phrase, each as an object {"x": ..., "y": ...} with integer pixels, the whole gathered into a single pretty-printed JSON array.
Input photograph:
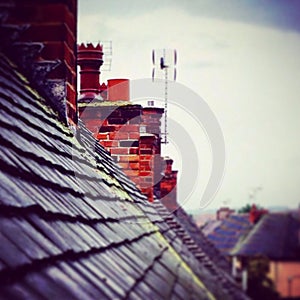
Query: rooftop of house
[
  {"x": 69, "y": 216},
  {"x": 203, "y": 256},
  {"x": 72, "y": 225},
  {"x": 276, "y": 235},
  {"x": 226, "y": 233},
  {"x": 201, "y": 240}
]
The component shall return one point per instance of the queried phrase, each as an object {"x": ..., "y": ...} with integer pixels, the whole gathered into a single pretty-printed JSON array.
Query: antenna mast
[
  {"x": 164, "y": 59},
  {"x": 107, "y": 51}
]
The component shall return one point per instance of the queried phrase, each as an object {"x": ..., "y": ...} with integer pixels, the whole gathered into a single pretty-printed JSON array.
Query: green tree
[{"x": 247, "y": 208}]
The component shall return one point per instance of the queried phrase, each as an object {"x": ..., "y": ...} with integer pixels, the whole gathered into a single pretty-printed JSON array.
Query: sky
[{"x": 239, "y": 57}]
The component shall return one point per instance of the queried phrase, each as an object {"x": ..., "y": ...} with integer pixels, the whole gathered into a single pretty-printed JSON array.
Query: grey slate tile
[
  {"x": 158, "y": 284},
  {"x": 19, "y": 290},
  {"x": 40, "y": 241},
  {"x": 64, "y": 280},
  {"x": 128, "y": 265},
  {"x": 45, "y": 285},
  {"x": 13, "y": 230},
  {"x": 113, "y": 269},
  {"x": 98, "y": 285},
  {"x": 110, "y": 282},
  {"x": 12, "y": 194},
  {"x": 11, "y": 255},
  {"x": 47, "y": 229},
  {"x": 146, "y": 291}
]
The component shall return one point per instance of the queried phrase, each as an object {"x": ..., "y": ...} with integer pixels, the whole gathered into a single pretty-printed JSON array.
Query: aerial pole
[{"x": 167, "y": 60}]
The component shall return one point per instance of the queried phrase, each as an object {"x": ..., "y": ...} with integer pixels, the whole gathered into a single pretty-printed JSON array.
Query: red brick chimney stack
[
  {"x": 148, "y": 154},
  {"x": 130, "y": 132},
  {"x": 52, "y": 26},
  {"x": 169, "y": 163},
  {"x": 256, "y": 213},
  {"x": 90, "y": 59},
  {"x": 168, "y": 186}
]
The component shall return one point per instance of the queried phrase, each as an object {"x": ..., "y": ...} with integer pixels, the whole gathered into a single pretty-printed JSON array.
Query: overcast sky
[{"x": 242, "y": 58}]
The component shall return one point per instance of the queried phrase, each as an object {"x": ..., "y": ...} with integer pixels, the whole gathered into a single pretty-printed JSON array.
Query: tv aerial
[
  {"x": 164, "y": 64},
  {"x": 107, "y": 51}
]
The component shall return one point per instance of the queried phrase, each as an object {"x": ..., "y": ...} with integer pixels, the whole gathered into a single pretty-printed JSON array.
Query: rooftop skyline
[{"x": 242, "y": 59}]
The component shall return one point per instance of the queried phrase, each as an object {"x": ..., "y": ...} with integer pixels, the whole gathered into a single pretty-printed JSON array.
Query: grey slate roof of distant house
[
  {"x": 276, "y": 235},
  {"x": 228, "y": 232}
]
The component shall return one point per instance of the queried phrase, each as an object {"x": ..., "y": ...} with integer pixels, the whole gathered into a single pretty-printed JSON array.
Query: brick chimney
[
  {"x": 46, "y": 50},
  {"x": 168, "y": 186},
  {"x": 151, "y": 120},
  {"x": 125, "y": 130},
  {"x": 256, "y": 213},
  {"x": 224, "y": 212},
  {"x": 150, "y": 164},
  {"x": 130, "y": 132}
]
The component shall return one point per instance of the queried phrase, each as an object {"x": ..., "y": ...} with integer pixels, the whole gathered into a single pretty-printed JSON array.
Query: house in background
[
  {"x": 227, "y": 229},
  {"x": 72, "y": 224},
  {"x": 276, "y": 236}
]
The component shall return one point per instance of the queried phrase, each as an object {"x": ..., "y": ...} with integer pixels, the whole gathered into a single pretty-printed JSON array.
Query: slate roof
[
  {"x": 70, "y": 228},
  {"x": 276, "y": 235},
  {"x": 205, "y": 260},
  {"x": 73, "y": 226},
  {"x": 226, "y": 234},
  {"x": 202, "y": 241},
  {"x": 220, "y": 284}
]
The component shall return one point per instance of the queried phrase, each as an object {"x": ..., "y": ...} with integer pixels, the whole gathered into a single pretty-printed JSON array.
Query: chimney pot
[
  {"x": 118, "y": 89},
  {"x": 90, "y": 59}
]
